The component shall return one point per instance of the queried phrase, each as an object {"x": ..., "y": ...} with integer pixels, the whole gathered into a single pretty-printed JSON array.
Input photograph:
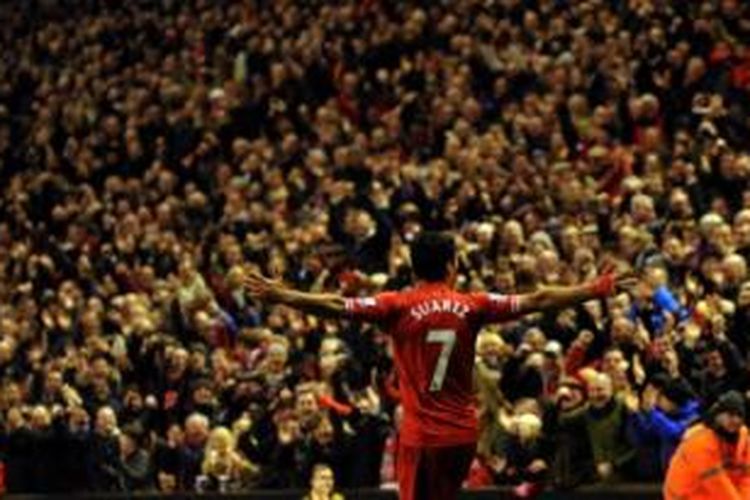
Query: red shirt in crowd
[{"x": 433, "y": 329}]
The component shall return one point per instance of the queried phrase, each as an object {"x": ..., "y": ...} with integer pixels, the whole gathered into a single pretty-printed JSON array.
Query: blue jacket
[
  {"x": 663, "y": 301},
  {"x": 665, "y": 429}
]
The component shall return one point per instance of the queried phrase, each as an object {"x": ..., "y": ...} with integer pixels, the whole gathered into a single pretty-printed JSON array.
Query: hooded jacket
[{"x": 707, "y": 467}]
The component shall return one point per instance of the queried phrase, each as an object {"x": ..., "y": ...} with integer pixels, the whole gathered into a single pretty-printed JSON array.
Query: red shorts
[{"x": 434, "y": 473}]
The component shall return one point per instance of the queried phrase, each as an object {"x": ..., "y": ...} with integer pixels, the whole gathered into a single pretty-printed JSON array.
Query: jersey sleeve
[
  {"x": 495, "y": 307},
  {"x": 376, "y": 309}
]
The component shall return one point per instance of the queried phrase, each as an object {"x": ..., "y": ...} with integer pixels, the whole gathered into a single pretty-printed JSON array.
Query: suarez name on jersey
[{"x": 433, "y": 329}]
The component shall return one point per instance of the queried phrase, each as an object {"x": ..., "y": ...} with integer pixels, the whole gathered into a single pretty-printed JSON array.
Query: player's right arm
[
  {"x": 272, "y": 291},
  {"x": 377, "y": 308}
]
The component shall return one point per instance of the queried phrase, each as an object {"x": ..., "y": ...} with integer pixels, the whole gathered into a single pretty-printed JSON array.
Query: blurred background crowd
[{"x": 151, "y": 150}]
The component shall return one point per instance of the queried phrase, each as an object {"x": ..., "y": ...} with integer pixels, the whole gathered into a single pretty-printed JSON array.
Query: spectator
[
  {"x": 663, "y": 417},
  {"x": 137, "y": 473},
  {"x": 723, "y": 370},
  {"x": 19, "y": 452},
  {"x": 192, "y": 450},
  {"x": 106, "y": 452},
  {"x": 371, "y": 426},
  {"x": 527, "y": 453},
  {"x": 322, "y": 484},
  {"x": 606, "y": 425},
  {"x": 224, "y": 468},
  {"x": 573, "y": 463},
  {"x": 724, "y": 427},
  {"x": 664, "y": 311},
  {"x": 75, "y": 441}
]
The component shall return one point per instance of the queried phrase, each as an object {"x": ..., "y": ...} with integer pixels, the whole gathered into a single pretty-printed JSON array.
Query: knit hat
[
  {"x": 660, "y": 381},
  {"x": 730, "y": 402},
  {"x": 678, "y": 391}
]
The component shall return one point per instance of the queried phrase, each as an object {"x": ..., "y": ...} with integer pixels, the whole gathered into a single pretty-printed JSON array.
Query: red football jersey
[{"x": 434, "y": 329}]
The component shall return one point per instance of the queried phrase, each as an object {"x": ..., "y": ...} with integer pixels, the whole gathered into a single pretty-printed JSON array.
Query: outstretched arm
[
  {"x": 272, "y": 291},
  {"x": 560, "y": 297}
]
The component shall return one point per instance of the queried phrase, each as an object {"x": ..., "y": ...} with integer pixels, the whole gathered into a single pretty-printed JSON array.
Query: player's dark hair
[{"x": 431, "y": 253}]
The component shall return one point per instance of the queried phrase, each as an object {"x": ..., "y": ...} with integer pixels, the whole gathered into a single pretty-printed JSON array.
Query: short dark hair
[{"x": 431, "y": 253}]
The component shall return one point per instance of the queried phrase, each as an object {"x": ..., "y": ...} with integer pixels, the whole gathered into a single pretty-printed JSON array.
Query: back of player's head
[{"x": 431, "y": 255}]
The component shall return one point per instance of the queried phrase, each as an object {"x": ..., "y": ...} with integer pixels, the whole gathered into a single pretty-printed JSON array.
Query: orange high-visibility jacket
[{"x": 706, "y": 467}]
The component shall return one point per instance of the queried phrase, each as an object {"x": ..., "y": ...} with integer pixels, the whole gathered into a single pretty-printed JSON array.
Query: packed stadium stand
[{"x": 154, "y": 151}]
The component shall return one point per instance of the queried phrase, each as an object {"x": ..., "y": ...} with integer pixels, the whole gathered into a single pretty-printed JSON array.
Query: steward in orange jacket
[{"x": 713, "y": 459}]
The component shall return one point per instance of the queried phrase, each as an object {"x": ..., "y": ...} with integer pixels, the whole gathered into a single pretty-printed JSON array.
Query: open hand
[
  {"x": 260, "y": 287},
  {"x": 632, "y": 402},
  {"x": 625, "y": 282},
  {"x": 612, "y": 282}
]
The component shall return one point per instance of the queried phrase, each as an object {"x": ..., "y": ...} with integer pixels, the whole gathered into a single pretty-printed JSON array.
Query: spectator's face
[
  {"x": 513, "y": 235},
  {"x": 7, "y": 351},
  {"x": 330, "y": 357},
  {"x": 167, "y": 482},
  {"x": 505, "y": 280},
  {"x": 40, "y": 418},
  {"x": 600, "y": 391},
  {"x": 490, "y": 347},
  {"x": 628, "y": 242},
  {"x": 203, "y": 396},
  {"x": 614, "y": 361},
  {"x": 673, "y": 250},
  {"x": 734, "y": 269},
  {"x": 127, "y": 445},
  {"x": 197, "y": 361},
  {"x": 548, "y": 263},
  {"x": 79, "y": 420},
  {"x": 133, "y": 400},
  {"x": 196, "y": 433},
  {"x": 742, "y": 232},
  {"x": 569, "y": 397},
  {"x": 277, "y": 358},
  {"x": 570, "y": 240},
  {"x": 323, "y": 432},
  {"x": 54, "y": 382},
  {"x": 730, "y": 422},
  {"x": 643, "y": 210},
  {"x": 622, "y": 330},
  {"x": 359, "y": 223},
  {"x": 306, "y": 405},
  {"x": 106, "y": 421},
  {"x": 536, "y": 339},
  {"x": 179, "y": 360},
  {"x": 721, "y": 238},
  {"x": 743, "y": 300},
  {"x": 187, "y": 270},
  {"x": 100, "y": 369},
  {"x": 715, "y": 364},
  {"x": 9, "y": 328},
  {"x": 289, "y": 426},
  {"x": 322, "y": 482},
  {"x": 221, "y": 441},
  {"x": 679, "y": 204},
  {"x": 12, "y": 395}
]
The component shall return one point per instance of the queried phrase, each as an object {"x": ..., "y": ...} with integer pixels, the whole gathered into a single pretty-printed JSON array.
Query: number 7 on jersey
[{"x": 448, "y": 340}]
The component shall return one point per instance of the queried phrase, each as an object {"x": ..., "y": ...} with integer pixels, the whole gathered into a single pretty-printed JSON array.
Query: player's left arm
[
  {"x": 561, "y": 297},
  {"x": 275, "y": 292}
]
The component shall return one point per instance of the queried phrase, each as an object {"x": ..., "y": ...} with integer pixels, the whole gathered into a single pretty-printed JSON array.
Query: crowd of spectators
[{"x": 152, "y": 150}]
